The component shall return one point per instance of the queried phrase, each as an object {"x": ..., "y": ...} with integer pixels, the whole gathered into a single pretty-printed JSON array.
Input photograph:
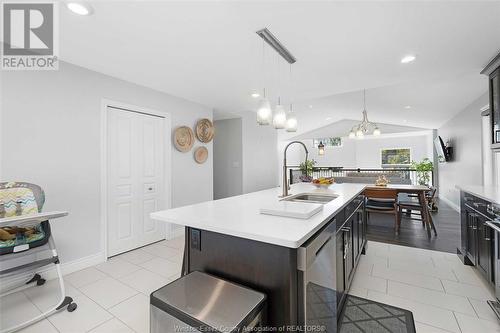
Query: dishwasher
[{"x": 317, "y": 296}]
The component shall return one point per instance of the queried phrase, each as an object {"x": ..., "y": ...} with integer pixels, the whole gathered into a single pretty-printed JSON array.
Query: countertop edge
[
  {"x": 271, "y": 240},
  {"x": 465, "y": 188}
]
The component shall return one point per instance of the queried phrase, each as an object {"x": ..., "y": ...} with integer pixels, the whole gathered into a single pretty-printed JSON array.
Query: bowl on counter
[{"x": 323, "y": 182}]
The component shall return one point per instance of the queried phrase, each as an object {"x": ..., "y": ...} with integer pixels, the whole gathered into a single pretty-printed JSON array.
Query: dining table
[{"x": 418, "y": 191}]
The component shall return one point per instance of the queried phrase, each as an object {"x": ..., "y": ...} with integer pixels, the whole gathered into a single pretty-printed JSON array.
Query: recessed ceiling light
[
  {"x": 408, "y": 58},
  {"x": 310, "y": 106},
  {"x": 80, "y": 8},
  {"x": 255, "y": 95},
  {"x": 408, "y": 107}
]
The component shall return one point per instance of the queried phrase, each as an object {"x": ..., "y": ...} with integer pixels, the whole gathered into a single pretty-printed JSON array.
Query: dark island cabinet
[
  {"x": 493, "y": 72},
  {"x": 477, "y": 236},
  {"x": 351, "y": 243}
]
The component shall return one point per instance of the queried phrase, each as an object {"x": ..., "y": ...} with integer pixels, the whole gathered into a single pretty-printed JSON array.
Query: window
[
  {"x": 396, "y": 157},
  {"x": 328, "y": 142}
]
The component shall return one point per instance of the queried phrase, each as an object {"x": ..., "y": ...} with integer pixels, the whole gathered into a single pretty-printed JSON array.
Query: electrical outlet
[{"x": 195, "y": 239}]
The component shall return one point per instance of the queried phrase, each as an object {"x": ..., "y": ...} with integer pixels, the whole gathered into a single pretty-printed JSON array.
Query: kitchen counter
[
  {"x": 240, "y": 215},
  {"x": 488, "y": 193}
]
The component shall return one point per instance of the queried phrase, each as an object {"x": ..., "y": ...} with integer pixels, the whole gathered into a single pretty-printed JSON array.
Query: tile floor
[{"x": 443, "y": 295}]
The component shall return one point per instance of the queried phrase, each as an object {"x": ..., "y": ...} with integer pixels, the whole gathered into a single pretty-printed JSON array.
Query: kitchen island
[{"x": 304, "y": 266}]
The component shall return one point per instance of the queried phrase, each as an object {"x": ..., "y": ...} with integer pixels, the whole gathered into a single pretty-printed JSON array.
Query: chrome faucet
[{"x": 285, "y": 184}]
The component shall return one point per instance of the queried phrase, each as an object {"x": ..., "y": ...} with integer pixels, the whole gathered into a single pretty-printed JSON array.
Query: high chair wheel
[
  {"x": 40, "y": 282},
  {"x": 72, "y": 307}
]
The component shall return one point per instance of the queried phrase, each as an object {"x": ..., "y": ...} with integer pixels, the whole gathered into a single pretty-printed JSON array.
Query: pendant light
[
  {"x": 321, "y": 148},
  {"x": 291, "y": 121},
  {"x": 279, "y": 117},
  {"x": 264, "y": 112},
  {"x": 364, "y": 126}
]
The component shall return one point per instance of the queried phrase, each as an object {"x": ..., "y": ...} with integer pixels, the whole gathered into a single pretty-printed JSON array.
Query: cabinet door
[
  {"x": 471, "y": 235},
  {"x": 348, "y": 253},
  {"x": 340, "y": 268},
  {"x": 495, "y": 105},
  {"x": 483, "y": 248},
  {"x": 361, "y": 229},
  {"x": 355, "y": 236}
]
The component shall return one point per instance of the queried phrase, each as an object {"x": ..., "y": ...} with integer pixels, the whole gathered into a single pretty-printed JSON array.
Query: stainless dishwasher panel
[{"x": 317, "y": 297}]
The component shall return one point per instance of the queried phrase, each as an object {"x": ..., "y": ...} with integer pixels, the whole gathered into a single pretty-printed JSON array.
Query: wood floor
[{"x": 446, "y": 220}]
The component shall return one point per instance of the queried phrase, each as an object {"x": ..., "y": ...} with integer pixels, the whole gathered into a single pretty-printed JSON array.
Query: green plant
[
  {"x": 423, "y": 169},
  {"x": 307, "y": 167}
]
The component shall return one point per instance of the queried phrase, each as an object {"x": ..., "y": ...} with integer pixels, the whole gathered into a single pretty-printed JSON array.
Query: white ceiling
[
  {"x": 343, "y": 127},
  {"x": 208, "y": 52}
]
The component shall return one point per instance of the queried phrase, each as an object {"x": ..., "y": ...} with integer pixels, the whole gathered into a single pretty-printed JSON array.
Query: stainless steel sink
[{"x": 312, "y": 197}]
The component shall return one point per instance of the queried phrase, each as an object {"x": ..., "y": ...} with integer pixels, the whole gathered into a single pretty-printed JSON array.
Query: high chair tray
[{"x": 31, "y": 218}]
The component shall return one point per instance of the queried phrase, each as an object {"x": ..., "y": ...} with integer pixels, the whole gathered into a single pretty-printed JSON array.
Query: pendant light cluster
[
  {"x": 280, "y": 118},
  {"x": 365, "y": 126}
]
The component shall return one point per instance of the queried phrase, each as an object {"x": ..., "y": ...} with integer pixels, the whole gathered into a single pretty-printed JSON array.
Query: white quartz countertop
[
  {"x": 240, "y": 215},
  {"x": 488, "y": 193}
]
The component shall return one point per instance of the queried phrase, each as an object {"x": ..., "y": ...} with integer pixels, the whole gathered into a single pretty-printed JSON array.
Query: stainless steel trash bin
[{"x": 199, "y": 302}]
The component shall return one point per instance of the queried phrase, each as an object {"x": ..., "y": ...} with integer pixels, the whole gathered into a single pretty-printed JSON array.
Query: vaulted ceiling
[{"x": 208, "y": 52}]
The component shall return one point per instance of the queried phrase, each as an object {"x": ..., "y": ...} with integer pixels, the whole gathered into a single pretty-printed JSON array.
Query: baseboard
[
  {"x": 450, "y": 203},
  {"x": 49, "y": 272}
]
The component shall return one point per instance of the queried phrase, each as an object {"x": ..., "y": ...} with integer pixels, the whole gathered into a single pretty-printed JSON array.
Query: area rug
[{"x": 365, "y": 316}]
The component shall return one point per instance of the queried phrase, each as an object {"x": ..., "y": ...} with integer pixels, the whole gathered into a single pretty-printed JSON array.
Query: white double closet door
[{"x": 135, "y": 176}]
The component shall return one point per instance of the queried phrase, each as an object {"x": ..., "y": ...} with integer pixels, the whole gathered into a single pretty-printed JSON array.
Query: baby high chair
[{"x": 25, "y": 230}]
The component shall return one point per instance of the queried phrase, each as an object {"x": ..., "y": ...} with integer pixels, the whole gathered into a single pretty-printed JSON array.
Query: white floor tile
[
  {"x": 136, "y": 257},
  {"x": 467, "y": 290},
  {"x": 86, "y": 316},
  {"x": 369, "y": 282},
  {"x": 161, "y": 251},
  {"x": 42, "y": 326},
  {"x": 423, "y": 328},
  {"x": 176, "y": 243},
  {"x": 483, "y": 310},
  {"x": 424, "y": 313},
  {"x": 15, "y": 309},
  {"x": 358, "y": 291},
  {"x": 427, "y": 296},
  {"x": 423, "y": 269},
  {"x": 414, "y": 279},
  {"x": 85, "y": 276},
  {"x": 372, "y": 259},
  {"x": 116, "y": 267},
  {"x": 162, "y": 266},
  {"x": 48, "y": 295},
  {"x": 470, "y": 324},
  {"x": 108, "y": 292},
  {"x": 145, "y": 281},
  {"x": 112, "y": 326},
  {"x": 134, "y": 312},
  {"x": 469, "y": 275}
]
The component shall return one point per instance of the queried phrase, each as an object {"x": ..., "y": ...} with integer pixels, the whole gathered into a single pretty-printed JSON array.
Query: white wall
[
  {"x": 51, "y": 136},
  {"x": 259, "y": 155},
  {"x": 464, "y": 133},
  {"x": 362, "y": 153},
  {"x": 228, "y": 158}
]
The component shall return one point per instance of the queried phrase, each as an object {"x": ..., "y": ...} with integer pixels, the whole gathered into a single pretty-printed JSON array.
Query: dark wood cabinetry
[
  {"x": 493, "y": 71},
  {"x": 477, "y": 237},
  {"x": 351, "y": 241}
]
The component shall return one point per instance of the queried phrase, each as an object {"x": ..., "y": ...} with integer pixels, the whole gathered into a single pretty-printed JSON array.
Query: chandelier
[{"x": 365, "y": 126}]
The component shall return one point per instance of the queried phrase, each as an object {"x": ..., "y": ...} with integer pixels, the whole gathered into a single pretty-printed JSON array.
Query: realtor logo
[{"x": 29, "y": 33}]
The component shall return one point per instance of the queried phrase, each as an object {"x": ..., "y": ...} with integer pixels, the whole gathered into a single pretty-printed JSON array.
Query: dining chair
[
  {"x": 383, "y": 200},
  {"x": 412, "y": 205}
]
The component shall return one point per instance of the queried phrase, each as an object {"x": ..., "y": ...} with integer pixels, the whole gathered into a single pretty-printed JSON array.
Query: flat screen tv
[{"x": 443, "y": 152}]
